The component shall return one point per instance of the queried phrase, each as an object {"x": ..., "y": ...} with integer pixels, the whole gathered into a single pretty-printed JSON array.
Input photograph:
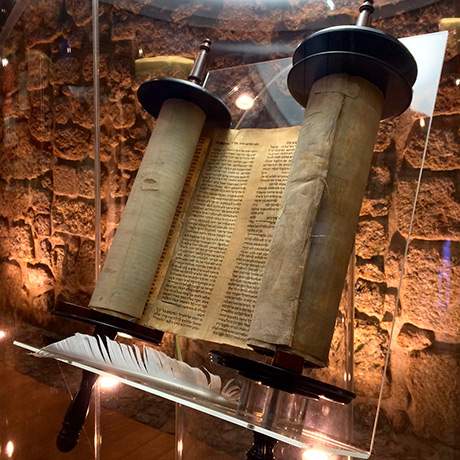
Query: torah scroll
[
  {"x": 313, "y": 238},
  {"x": 125, "y": 280}
]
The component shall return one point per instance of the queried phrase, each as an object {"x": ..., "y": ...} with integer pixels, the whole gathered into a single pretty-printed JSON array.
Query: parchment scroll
[
  {"x": 125, "y": 280},
  {"x": 313, "y": 237}
]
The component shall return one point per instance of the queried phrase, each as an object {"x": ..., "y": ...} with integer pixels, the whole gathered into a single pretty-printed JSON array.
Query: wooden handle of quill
[
  {"x": 313, "y": 237},
  {"x": 75, "y": 416}
]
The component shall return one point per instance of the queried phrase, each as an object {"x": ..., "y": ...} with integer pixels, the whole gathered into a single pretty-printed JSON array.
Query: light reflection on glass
[
  {"x": 124, "y": 335},
  {"x": 180, "y": 446},
  {"x": 444, "y": 276},
  {"x": 315, "y": 454},
  {"x": 330, "y": 4},
  {"x": 244, "y": 101},
  {"x": 108, "y": 382},
  {"x": 422, "y": 122},
  {"x": 9, "y": 449}
]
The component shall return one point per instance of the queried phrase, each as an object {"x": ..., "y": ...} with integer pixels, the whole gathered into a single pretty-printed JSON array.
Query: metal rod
[
  {"x": 365, "y": 13},
  {"x": 198, "y": 72}
]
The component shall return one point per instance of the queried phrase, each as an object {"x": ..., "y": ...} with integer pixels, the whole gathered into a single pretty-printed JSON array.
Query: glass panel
[{"x": 47, "y": 203}]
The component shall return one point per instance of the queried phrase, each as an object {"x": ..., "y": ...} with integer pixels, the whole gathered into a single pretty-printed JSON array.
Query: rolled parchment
[
  {"x": 313, "y": 238},
  {"x": 125, "y": 280}
]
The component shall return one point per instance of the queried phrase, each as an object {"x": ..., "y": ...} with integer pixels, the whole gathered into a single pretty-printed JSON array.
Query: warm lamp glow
[
  {"x": 315, "y": 454},
  {"x": 457, "y": 81},
  {"x": 4, "y": 62},
  {"x": 244, "y": 101},
  {"x": 2, "y": 334},
  {"x": 108, "y": 382},
  {"x": 9, "y": 449},
  {"x": 422, "y": 122}
]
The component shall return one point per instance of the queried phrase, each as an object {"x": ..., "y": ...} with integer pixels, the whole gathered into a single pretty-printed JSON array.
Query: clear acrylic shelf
[{"x": 217, "y": 408}]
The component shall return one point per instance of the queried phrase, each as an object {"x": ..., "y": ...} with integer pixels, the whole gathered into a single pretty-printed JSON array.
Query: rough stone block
[
  {"x": 72, "y": 142},
  {"x": 370, "y": 347},
  {"x": 16, "y": 198},
  {"x": 10, "y": 78},
  {"x": 73, "y": 216},
  {"x": 80, "y": 102},
  {"x": 39, "y": 279},
  {"x": 25, "y": 161},
  {"x": 371, "y": 269},
  {"x": 19, "y": 244},
  {"x": 80, "y": 10},
  {"x": 437, "y": 214},
  {"x": 66, "y": 71},
  {"x": 41, "y": 124},
  {"x": 129, "y": 158},
  {"x": 44, "y": 23},
  {"x": 123, "y": 115},
  {"x": 38, "y": 64},
  {"x": 124, "y": 26},
  {"x": 118, "y": 184},
  {"x": 430, "y": 290},
  {"x": 370, "y": 238},
  {"x": 443, "y": 147},
  {"x": 370, "y": 298},
  {"x": 74, "y": 180},
  {"x": 41, "y": 199},
  {"x": 42, "y": 224},
  {"x": 121, "y": 71},
  {"x": 16, "y": 105},
  {"x": 412, "y": 338},
  {"x": 447, "y": 100},
  {"x": 85, "y": 266},
  {"x": 62, "y": 110},
  {"x": 432, "y": 381},
  {"x": 65, "y": 180},
  {"x": 11, "y": 292},
  {"x": 87, "y": 67}
]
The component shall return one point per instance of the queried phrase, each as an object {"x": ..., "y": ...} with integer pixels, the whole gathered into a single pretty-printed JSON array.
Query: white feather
[{"x": 148, "y": 365}]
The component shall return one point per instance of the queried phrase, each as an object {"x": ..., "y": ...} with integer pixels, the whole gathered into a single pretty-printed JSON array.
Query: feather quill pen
[{"x": 148, "y": 366}]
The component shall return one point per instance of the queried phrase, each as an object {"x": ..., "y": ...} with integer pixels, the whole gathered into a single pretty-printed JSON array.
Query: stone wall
[{"x": 47, "y": 187}]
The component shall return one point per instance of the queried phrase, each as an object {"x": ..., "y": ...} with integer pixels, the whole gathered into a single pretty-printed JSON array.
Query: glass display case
[{"x": 74, "y": 135}]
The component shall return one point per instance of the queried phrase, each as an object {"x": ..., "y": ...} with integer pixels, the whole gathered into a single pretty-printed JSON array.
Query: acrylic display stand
[{"x": 295, "y": 420}]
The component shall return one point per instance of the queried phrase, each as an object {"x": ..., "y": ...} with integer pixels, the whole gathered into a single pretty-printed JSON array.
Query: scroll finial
[
  {"x": 365, "y": 13},
  {"x": 200, "y": 65}
]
